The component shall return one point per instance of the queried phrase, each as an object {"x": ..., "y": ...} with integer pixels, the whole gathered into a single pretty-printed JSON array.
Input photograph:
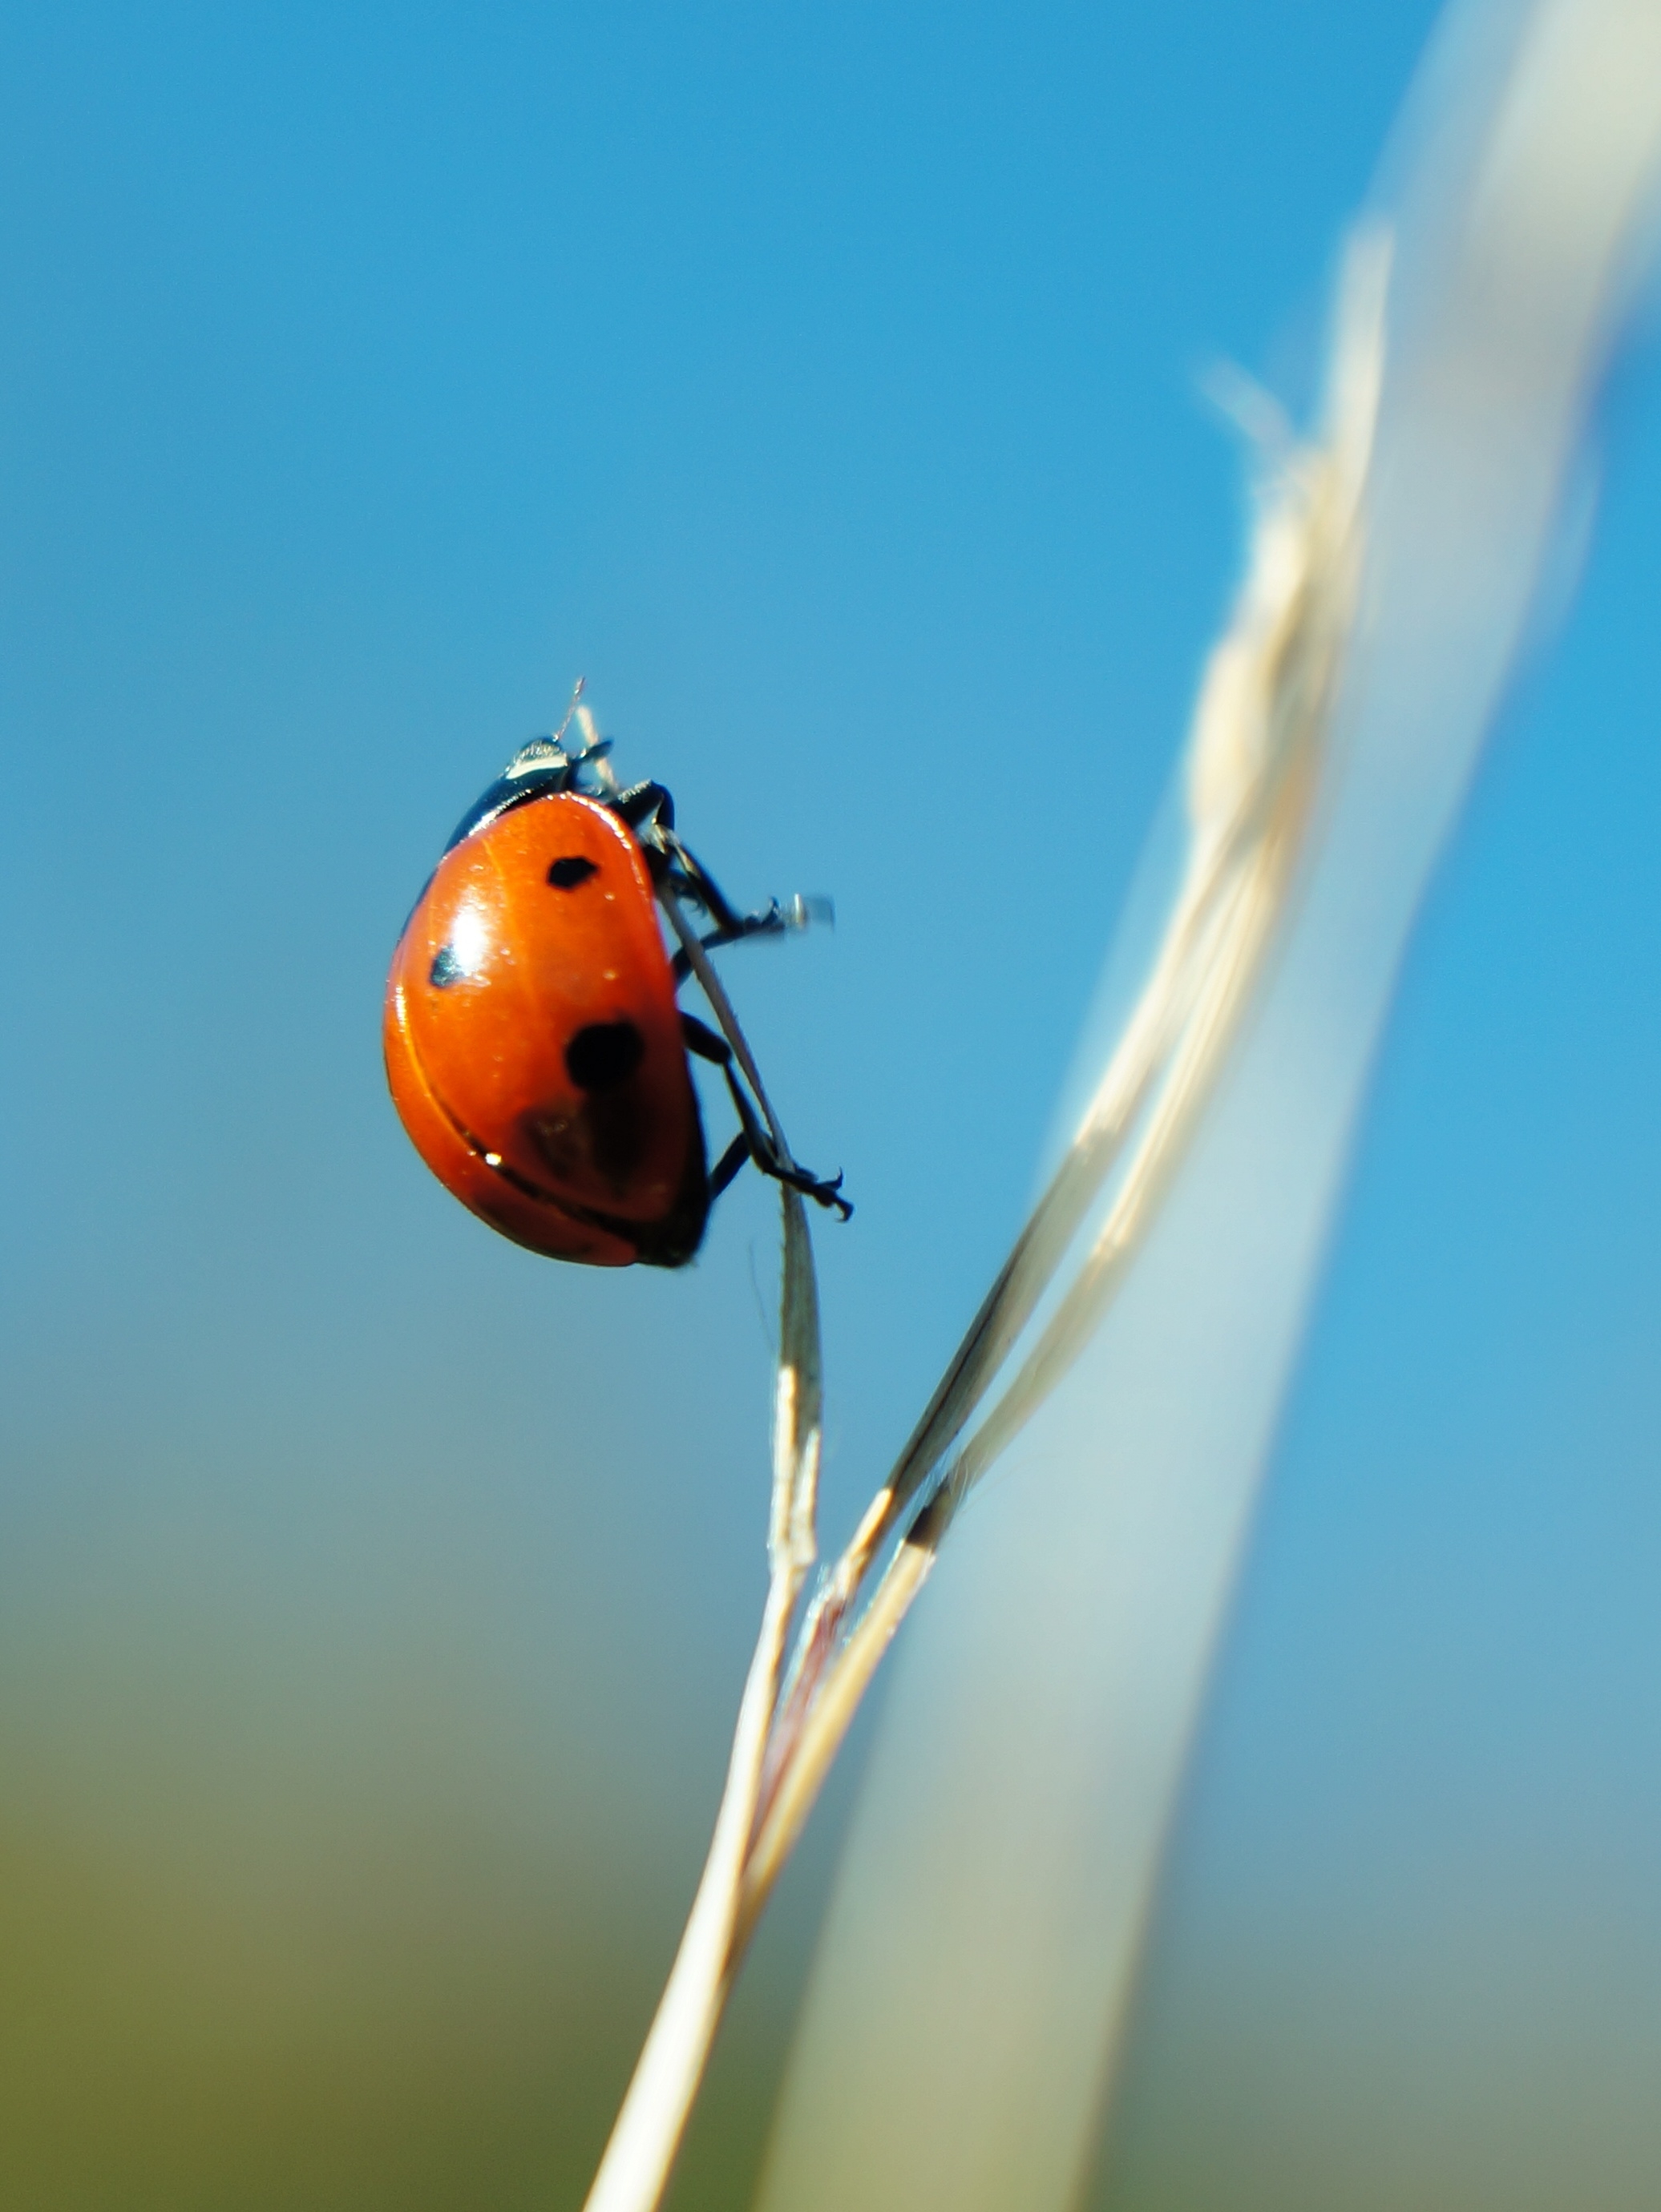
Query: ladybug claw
[
  {"x": 826, "y": 1192},
  {"x": 823, "y": 1191}
]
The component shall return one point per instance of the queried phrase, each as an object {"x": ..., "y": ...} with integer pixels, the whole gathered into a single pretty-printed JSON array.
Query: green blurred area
[
  {"x": 253, "y": 1956},
  {"x": 292, "y": 1929}
]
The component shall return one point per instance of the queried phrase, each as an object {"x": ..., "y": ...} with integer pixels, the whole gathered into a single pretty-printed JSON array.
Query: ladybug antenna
[{"x": 577, "y": 691}]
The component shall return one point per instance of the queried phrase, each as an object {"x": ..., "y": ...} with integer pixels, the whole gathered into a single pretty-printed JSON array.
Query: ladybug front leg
[
  {"x": 776, "y": 919},
  {"x": 694, "y": 881},
  {"x": 649, "y": 811}
]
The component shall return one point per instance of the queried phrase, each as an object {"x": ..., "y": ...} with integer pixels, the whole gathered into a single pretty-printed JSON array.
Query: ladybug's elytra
[{"x": 536, "y": 1052}]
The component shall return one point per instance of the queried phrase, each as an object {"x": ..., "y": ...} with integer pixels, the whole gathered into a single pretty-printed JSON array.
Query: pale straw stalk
[{"x": 1255, "y": 757}]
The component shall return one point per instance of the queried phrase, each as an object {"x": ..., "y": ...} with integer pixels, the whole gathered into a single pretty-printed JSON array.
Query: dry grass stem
[
  {"x": 1253, "y": 778},
  {"x": 640, "y": 2153}
]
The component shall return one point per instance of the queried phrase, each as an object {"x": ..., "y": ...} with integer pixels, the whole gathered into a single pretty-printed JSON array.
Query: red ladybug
[{"x": 535, "y": 1050}]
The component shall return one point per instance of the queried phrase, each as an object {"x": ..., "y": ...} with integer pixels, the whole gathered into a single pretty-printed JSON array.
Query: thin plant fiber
[{"x": 967, "y": 2003}]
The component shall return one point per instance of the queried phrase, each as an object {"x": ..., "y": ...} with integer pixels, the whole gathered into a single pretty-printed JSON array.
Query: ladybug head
[{"x": 563, "y": 761}]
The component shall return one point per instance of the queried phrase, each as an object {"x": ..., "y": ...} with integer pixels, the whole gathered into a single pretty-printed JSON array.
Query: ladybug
[{"x": 535, "y": 1048}]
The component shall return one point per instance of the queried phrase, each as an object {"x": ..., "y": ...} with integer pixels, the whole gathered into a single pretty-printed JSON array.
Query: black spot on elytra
[
  {"x": 566, "y": 874},
  {"x": 604, "y": 1054},
  {"x": 445, "y": 968}
]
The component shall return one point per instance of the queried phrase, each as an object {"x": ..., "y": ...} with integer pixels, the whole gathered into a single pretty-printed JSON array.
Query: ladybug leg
[
  {"x": 774, "y": 920},
  {"x": 699, "y": 884},
  {"x": 728, "y": 1164},
  {"x": 754, "y": 1141},
  {"x": 825, "y": 1191},
  {"x": 648, "y": 807},
  {"x": 709, "y": 1044},
  {"x": 649, "y": 811},
  {"x": 772, "y": 1162}
]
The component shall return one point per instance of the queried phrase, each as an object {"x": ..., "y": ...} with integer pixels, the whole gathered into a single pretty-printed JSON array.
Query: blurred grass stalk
[
  {"x": 1251, "y": 775},
  {"x": 960, "y": 2031},
  {"x": 961, "y": 2027}
]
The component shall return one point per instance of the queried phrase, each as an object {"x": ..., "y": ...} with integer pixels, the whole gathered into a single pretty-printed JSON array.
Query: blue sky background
[{"x": 373, "y": 1595}]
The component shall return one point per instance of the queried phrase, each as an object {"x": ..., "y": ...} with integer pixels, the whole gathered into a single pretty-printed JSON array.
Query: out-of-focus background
[{"x": 374, "y": 1597}]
